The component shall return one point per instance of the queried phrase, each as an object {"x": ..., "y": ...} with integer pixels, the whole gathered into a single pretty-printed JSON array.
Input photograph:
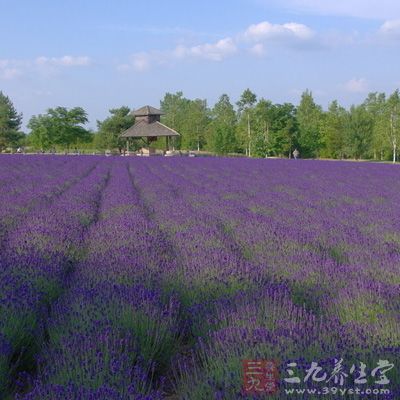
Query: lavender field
[{"x": 154, "y": 278}]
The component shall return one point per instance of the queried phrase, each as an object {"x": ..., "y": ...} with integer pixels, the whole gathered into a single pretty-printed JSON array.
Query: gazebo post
[
  {"x": 167, "y": 142},
  {"x": 127, "y": 146}
]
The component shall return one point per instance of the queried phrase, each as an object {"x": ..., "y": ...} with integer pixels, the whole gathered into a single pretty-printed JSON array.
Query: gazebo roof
[
  {"x": 144, "y": 129},
  {"x": 146, "y": 110}
]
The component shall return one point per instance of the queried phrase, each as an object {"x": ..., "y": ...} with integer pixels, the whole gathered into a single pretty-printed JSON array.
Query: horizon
[{"x": 100, "y": 55}]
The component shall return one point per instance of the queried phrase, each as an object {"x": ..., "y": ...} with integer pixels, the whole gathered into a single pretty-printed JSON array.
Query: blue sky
[{"x": 105, "y": 54}]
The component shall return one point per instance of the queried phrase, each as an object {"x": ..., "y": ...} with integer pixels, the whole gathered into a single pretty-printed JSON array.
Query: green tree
[
  {"x": 10, "y": 123},
  {"x": 195, "y": 124},
  {"x": 245, "y": 107},
  {"x": 264, "y": 116},
  {"x": 110, "y": 129},
  {"x": 222, "y": 132},
  {"x": 66, "y": 126},
  {"x": 41, "y": 132},
  {"x": 333, "y": 131},
  {"x": 59, "y": 126},
  {"x": 393, "y": 121},
  {"x": 375, "y": 104},
  {"x": 309, "y": 116},
  {"x": 176, "y": 108},
  {"x": 359, "y": 128},
  {"x": 285, "y": 130}
]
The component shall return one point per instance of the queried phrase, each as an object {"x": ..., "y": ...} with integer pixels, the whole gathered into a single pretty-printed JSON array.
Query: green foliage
[
  {"x": 276, "y": 129},
  {"x": 41, "y": 132},
  {"x": 188, "y": 117},
  {"x": 393, "y": 120},
  {"x": 246, "y": 115},
  {"x": 224, "y": 141},
  {"x": 196, "y": 124},
  {"x": 309, "y": 117},
  {"x": 109, "y": 130},
  {"x": 257, "y": 128},
  {"x": 175, "y": 107},
  {"x": 333, "y": 131},
  {"x": 59, "y": 126},
  {"x": 385, "y": 115},
  {"x": 156, "y": 337},
  {"x": 262, "y": 127},
  {"x": 10, "y": 123},
  {"x": 358, "y": 133},
  {"x": 375, "y": 104},
  {"x": 247, "y": 100},
  {"x": 222, "y": 138}
]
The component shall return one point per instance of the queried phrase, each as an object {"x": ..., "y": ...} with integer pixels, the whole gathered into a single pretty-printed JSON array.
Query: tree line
[{"x": 252, "y": 126}]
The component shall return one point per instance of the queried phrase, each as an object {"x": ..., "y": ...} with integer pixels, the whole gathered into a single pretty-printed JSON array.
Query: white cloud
[
  {"x": 252, "y": 41},
  {"x": 356, "y": 85},
  {"x": 209, "y": 51},
  {"x": 390, "y": 28},
  {"x": 267, "y": 31},
  {"x": 212, "y": 51},
  {"x": 13, "y": 68},
  {"x": 52, "y": 66},
  {"x": 141, "y": 61},
  {"x": 65, "y": 61},
  {"x": 10, "y": 73},
  {"x": 371, "y": 9},
  {"x": 9, "y": 69},
  {"x": 258, "y": 50}
]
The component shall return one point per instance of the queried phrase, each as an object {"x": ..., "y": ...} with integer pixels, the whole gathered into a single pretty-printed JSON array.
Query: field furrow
[
  {"x": 25, "y": 186},
  {"x": 112, "y": 333},
  {"x": 363, "y": 320},
  {"x": 38, "y": 256},
  {"x": 155, "y": 278}
]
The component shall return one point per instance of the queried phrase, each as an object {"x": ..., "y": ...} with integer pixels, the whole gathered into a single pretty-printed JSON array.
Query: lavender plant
[{"x": 136, "y": 278}]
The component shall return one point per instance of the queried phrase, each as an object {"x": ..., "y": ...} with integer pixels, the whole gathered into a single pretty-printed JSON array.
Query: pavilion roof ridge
[
  {"x": 146, "y": 110},
  {"x": 152, "y": 129}
]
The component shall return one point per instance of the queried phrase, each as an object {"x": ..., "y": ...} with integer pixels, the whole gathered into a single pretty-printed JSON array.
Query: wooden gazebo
[{"x": 148, "y": 127}]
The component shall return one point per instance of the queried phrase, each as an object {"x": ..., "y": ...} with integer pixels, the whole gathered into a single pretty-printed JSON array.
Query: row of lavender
[
  {"x": 319, "y": 237},
  {"x": 40, "y": 248},
  {"x": 112, "y": 332},
  {"x": 29, "y": 182},
  {"x": 150, "y": 268},
  {"x": 336, "y": 238},
  {"x": 108, "y": 333}
]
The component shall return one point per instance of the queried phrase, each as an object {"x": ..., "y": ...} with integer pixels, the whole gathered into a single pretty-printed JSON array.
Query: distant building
[{"x": 148, "y": 127}]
